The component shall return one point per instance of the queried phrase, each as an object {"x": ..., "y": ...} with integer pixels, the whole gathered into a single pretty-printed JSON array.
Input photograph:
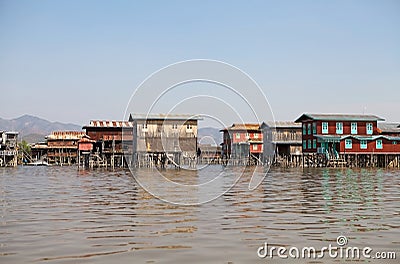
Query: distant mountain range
[
  {"x": 209, "y": 135},
  {"x": 34, "y": 129}
]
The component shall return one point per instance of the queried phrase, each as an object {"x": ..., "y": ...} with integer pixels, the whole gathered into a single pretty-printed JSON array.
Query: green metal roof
[
  {"x": 329, "y": 138},
  {"x": 392, "y": 138},
  {"x": 338, "y": 117}
]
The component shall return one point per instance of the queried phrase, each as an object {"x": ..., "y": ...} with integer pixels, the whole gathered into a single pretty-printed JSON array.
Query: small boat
[{"x": 38, "y": 163}]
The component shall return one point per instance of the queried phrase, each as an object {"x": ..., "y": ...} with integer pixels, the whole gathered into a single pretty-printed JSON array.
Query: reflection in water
[{"x": 62, "y": 215}]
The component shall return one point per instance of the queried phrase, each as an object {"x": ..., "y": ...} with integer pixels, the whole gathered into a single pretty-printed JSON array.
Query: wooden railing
[{"x": 8, "y": 152}]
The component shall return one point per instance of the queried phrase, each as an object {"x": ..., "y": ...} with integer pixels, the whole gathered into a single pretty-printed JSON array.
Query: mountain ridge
[
  {"x": 209, "y": 135},
  {"x": 33, "y": 128}
]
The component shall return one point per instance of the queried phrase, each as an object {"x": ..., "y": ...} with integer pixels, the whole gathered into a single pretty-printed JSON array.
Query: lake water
[{"x": 62, "y": 215}]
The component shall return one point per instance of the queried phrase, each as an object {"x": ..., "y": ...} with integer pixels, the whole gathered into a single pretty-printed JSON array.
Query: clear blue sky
[{"x": 73, "y": 61}]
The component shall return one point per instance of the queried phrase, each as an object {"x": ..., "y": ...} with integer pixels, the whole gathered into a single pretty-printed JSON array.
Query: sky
[{"x": 74, "y": 61}]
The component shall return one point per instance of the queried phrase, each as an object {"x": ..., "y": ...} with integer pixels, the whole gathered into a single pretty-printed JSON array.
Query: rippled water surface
[{"x": 62, "y": 215}]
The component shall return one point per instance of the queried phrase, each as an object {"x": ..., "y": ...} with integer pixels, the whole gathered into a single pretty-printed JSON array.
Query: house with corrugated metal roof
[
  {"x": 162, "y": 138},
  {"x": 110, "y": 139},
  {"x": 283, "y": 140},
  {"x": 62, "y": 147},
  {"x": 345, "y": 137},
  {"x": 389, "y": 129},
  {"x": 242, "y": 143},
  {"x": 8, "y": 148}
]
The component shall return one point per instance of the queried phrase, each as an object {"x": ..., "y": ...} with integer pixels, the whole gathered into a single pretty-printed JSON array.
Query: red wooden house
[
  {"x": 109, "y": 137},
  {"x": 335, "y": 134},
  {"x": 62, "y": 146},
  {"x": 241, "y": 141}
]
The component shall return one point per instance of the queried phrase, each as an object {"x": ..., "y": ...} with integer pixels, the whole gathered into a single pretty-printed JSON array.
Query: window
[
  {"x": 324, "y": 127},
  {"x": 247, "y": 135},
  {"x": 255, "y": 147},
  {"x": 339, "y": 128},
  {"x": 314, "y": 143},
  {"x": 314, "y": 128},
  {"x": 370, "y": 128},
  {"x": 348, "y": 144},
  {"x": 237, "y": 135},
  {"x": 309, "y": 144},
  {"x": 379, "y": 144},
  {"x": 354, "y": 128},
  {"x": 304, "y": 144},
  {"x": 174, "y": 126},
  {"x": 394, "y": 143},
  {"x": 309, "y": 129},
  {"x": 255, "y": 135},
  {"x": 363, "y": 144},
  {"x": 304, "y": 129},
  {"x": 189, "y": 128},
  {"x": 144, "y": 127}
]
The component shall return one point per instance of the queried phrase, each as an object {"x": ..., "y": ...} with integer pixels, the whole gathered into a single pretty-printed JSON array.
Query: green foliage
[
  {"x": 24, "y": 150},
  {"x": 24, "y": 147}
]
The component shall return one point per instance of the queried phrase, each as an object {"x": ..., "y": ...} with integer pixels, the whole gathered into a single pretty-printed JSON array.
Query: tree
[{"x": 24, "y": 151}]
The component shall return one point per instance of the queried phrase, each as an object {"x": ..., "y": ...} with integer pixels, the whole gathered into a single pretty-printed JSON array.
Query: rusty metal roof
[
  {"x": 40, "y": 145},
  {"x": 66, "y": 135},
  {"x": 86, "y": 139},
  {"x": 338, "y": 117},
  {"x": 242, "y": 127},
  {"x": 109, "y": 123}
]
